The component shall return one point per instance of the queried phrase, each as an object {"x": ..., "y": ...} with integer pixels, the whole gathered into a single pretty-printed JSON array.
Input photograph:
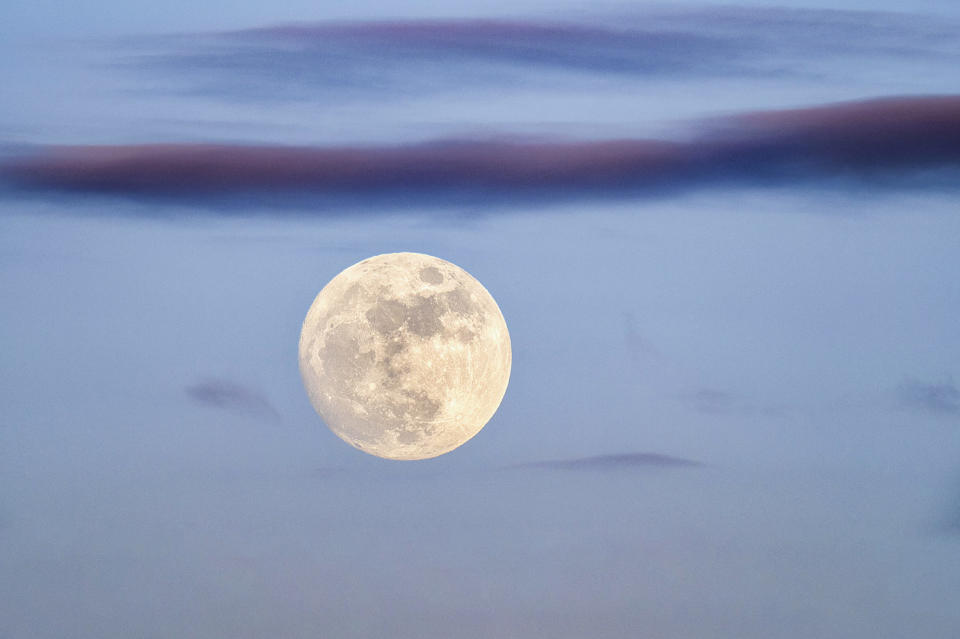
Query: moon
[{"x": 405, "y": 356}]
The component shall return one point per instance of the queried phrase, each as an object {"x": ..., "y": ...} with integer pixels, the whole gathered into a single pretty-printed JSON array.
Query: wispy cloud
[
  {"x": 624, "y": 461},
  {"x": 337, "y": 61},
  {"x": 951, "y": 519},
  {"x": 934, "y": 398},
  {"x": 716, "y": 402},
  {"x": 231, "y": 396},
  {"x": 331, "y": 61},
  {"x": 882, "y": 140},
  {"x": 713, "y": 401}
]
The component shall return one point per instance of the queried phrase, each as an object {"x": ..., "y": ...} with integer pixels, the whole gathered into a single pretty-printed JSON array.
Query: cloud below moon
[{"x": 622, "y": 461}]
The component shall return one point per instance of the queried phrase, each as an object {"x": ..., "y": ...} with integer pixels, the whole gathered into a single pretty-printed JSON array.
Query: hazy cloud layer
[
  {"x": 613, "y": 462},
  {"x": 231, "y": 396},
  {"x": 883, "y": 140},
  {"x": 310, "y": 59}
]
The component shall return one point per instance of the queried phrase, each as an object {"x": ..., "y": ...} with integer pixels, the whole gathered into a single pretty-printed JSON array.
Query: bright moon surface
[{"x": 405, "y": 356}]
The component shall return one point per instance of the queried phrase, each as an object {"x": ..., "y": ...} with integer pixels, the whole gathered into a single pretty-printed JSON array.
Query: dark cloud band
[{"x": 883, "y": 138}]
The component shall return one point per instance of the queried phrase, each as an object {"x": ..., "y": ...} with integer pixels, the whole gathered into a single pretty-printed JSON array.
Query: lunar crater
[{"x": 431, "y": 275}]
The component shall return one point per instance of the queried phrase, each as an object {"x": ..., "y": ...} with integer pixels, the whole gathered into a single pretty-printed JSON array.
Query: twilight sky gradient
[{"x": 724, "y": 238}]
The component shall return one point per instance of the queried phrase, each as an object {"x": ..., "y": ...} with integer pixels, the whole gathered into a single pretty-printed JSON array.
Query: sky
[{"x": 723, "y": 237}]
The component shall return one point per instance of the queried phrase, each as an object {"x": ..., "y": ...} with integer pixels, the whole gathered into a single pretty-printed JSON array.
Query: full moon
[{"x": 405, "y": 356}]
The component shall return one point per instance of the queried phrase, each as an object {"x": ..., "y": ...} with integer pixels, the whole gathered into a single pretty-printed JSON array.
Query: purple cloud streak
[{"x": 876, "y": 138}]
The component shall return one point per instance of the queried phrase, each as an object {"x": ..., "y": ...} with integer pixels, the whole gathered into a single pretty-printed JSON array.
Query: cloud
[
  {"x": 932, "y": 398},
  {"x": 950, "y": 523},
  {"x": 586, "y": 46},
  {"x": 613, "y": 462},
  {"x": 210, "y": 169},
  {"x": 335, "y": 60},
  {"x": 232, "y": 397},
  {"x": 338, "y": 61},
  {"x": 859, "y": 136},
  {"x": 882, "y": 141},
  {"x": 713, "y": 402}
]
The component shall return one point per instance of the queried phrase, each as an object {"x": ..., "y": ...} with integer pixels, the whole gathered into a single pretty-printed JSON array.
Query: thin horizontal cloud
[
  {"x": 624, "y": 461},
  {"x": 715, "y": 402},
  {"x": 309, "y": 59},
  {"x": 233, "y": 397},
  {"x": 880, "y": 140}
]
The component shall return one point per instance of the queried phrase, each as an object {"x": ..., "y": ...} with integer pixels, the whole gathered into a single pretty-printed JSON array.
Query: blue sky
[{"x": 724, "y": 235}]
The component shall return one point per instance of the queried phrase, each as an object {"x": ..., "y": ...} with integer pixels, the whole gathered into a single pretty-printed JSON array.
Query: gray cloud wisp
[
  {"x": 624, "y": 461},
  {"x": 231, "y": 396},
  {"x": 932, "y": 398}
]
